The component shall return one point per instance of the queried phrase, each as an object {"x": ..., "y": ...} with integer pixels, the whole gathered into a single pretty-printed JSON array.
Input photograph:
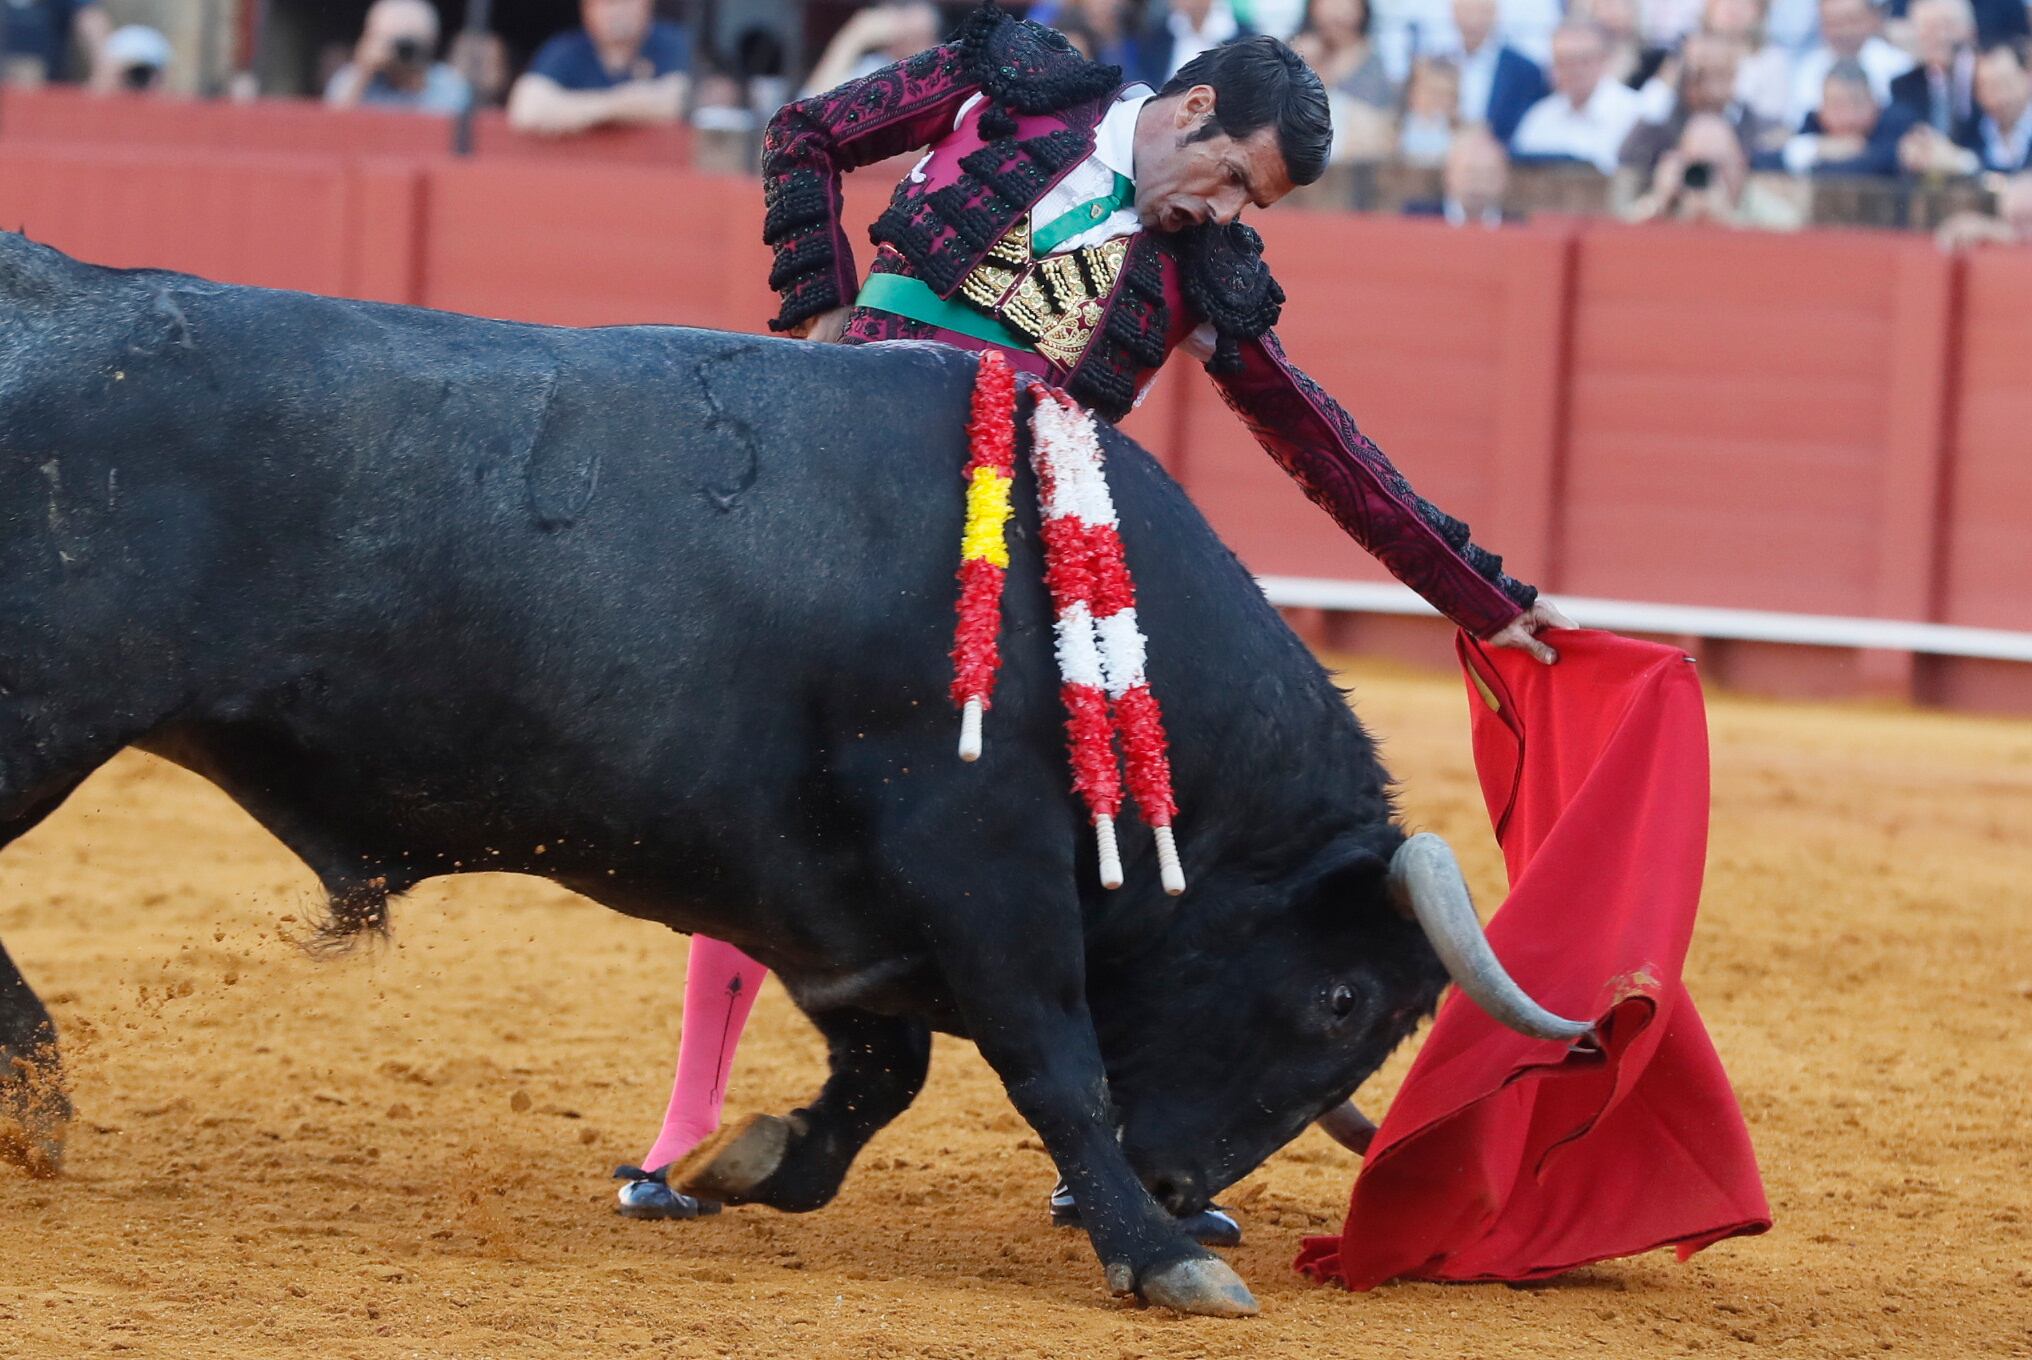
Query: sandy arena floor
[{"x": 406, "y": 1153}]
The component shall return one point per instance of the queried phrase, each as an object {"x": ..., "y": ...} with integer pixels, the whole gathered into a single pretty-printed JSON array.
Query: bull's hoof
[
  {"x": 730, "y": 1164},
  {"x": 1203, "y": 1286},
  {"x": 35, "y": 1115},
  {"x": 37, "y": 1147}
]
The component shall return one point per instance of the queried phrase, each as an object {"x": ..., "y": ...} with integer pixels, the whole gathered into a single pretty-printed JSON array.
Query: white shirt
[
  {"x": 1457, "y": 216},
  {"x": 1477, "y": 78},
  {"x": 1881, "y": 62},
  {"x": 1764, "y": 84},
  {"x": 1188, "y": 42},
  {"x": 1594, "y": 132},
  {"x": 2007, "y": 149},
  {"x": 1094, "y": 177},
  {"x": 1114, "y": 154}
]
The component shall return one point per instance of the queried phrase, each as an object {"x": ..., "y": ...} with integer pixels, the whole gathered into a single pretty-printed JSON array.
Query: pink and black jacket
[{"x": 1041, "y": 105}]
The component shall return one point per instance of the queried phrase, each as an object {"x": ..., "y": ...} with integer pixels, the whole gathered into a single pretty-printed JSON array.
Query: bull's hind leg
[
  {"x": 35, "y": 1106},
  {"x": 796, "y": 1162},
  {"x": 35, "y": 1110}
]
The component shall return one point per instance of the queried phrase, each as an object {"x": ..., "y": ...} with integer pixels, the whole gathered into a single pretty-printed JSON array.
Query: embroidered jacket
[{"x": 1041, "y": 104}]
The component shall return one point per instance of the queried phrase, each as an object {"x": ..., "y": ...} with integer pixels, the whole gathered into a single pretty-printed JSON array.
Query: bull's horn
[
  {"x": 1426, "y": 882},
  {"x": 1349, "y": 1127}
]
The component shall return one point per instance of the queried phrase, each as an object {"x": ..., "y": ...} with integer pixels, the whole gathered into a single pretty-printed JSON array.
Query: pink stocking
[{"x": 719, "y": 990}]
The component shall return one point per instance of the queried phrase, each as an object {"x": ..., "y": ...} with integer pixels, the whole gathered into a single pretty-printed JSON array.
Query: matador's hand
[
  {"x": 826, "y": 327},
  {"x": 1523, "y": 630}
]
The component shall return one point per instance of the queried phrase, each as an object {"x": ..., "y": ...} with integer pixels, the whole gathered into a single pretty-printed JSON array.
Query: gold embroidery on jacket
[{"x": 1057, "y": 303}]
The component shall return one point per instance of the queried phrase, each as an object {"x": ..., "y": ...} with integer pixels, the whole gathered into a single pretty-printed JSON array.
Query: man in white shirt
[
  {"x": 1587, "y": 115},
  {"x": 1764, "y": 74},
  {"x": 1848, "y": 32}
]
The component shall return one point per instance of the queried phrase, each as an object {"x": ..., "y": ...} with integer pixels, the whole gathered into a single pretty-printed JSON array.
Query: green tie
[{"x": 1085, "y": 217}]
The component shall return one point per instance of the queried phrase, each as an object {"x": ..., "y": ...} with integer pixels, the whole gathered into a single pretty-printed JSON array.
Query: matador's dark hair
[{"x": 1258, "y": 82}]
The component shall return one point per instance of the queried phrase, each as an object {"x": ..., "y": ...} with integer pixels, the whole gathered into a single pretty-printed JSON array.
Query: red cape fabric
[{"x": 1508, "y": 1158}]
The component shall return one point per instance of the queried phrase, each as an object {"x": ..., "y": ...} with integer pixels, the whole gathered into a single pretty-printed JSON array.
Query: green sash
[
  {"x": 905, "y": 296},
  {"x": 1083, "y": 217}
]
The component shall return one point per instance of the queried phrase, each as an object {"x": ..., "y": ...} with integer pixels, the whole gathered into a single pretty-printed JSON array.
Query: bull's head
[{"x": 1235, "y": 1031}]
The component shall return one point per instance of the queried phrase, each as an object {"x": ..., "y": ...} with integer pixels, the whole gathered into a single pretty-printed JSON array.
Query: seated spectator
[
  {"x": 1706, "y": 83},
  {"x": 1763, "y": 69},
  {"x": 1939, "y": 93},
  {"x": 35, "y": 38},
  {"x": 1848, "y": 134},
  {"x": 1587, "y": 115},
  {"x": 2002, "y": 139},
  {"x": 624, "y": 66},
  {"x": 2004, "y": 93},
  {"x": 1629, "y": 61},
  {"x": 134, "y": 60},
  {"x": 1180, "y": 31},
  {"x": 1362, "y": 99},
  {"x": 2009, "y": 225},
  {"x": 1476, "y": 176},
  {"x": 1995, "y": 21},
  {"x": 877, "y": 36},
  {"x": 1431, "y": 104},
  {"x": 1706, "y": 177},
  {"x": 1334, "y": 42},
  {"x": 394, "y": 64},
  {"x": 1498, "y": 84},
  {"x": 1848, "y": 32}
]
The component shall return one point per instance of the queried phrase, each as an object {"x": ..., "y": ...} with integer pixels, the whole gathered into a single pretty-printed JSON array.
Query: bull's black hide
[{"x": 663, "y": 615}]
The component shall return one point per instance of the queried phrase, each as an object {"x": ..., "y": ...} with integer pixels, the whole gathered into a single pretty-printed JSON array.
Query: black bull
[{"x": 663, "y": 615}]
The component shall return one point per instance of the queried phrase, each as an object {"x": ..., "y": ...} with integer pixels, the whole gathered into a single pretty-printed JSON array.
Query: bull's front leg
[
  {"x": 1018, "y": 971},
  {"x": 796, "y": 1162}
]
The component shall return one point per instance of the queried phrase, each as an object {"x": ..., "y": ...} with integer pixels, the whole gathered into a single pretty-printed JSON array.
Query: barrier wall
[{"x": 1825, "y": 423}]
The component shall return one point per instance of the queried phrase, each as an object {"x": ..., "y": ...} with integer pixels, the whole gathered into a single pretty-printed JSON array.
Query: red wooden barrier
[
  {"x": 276, "y": 220},
  {"x": 70, "y": 114},
  {"x": 1828, "y": 422},
  {"x": 1986, "y": 572}
]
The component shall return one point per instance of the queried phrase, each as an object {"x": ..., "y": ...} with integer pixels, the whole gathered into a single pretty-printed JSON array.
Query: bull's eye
[{"x": 1342, "y": 1001}]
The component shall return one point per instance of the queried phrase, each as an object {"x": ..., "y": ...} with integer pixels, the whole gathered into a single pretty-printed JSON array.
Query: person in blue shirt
[
  {"x": 624, "y": 66},
  {"x": 35, "y": 36}
]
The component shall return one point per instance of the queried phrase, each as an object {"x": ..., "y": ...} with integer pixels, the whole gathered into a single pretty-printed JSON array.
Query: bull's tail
[{"x": 354, "y": 913}]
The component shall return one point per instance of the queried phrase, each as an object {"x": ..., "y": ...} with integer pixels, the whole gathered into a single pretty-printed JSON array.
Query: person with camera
[
  {"x": 395, "y": 64},
  {"x": 1706, "y": 177}
]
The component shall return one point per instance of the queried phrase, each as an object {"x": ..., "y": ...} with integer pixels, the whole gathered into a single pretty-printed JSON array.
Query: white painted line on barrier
[{"x": 1632, "y": 616}]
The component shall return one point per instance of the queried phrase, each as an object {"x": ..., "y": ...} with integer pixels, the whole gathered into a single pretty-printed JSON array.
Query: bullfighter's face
[
  {"x": 1188, "y": 171},
  {"x": 1222, "y": 1049}
]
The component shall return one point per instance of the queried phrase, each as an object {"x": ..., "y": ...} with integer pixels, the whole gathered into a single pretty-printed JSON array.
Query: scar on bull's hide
[
  {"x": 727, "y": 498},
  {"x": 561, "y": 475},
  {"x": 179, "y": 336}
]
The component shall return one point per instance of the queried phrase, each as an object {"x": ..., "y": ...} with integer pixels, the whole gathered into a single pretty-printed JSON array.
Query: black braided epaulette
[{"x": 1024, "y": 67}]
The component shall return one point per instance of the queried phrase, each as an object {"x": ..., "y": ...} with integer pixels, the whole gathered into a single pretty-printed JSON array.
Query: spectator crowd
[{"x": 1724, "y": 111}]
